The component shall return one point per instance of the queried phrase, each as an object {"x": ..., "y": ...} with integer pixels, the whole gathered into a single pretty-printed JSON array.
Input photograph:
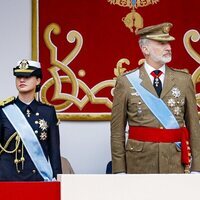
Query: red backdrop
[{"x": 80, "y": 43}]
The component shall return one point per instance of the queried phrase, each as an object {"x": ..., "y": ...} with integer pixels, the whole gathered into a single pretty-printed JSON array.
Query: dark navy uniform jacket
[{"x": 44, "y": 123}]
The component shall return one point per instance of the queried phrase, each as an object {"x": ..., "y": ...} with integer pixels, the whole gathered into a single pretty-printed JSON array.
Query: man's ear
[{"x": 145, "y": 50}]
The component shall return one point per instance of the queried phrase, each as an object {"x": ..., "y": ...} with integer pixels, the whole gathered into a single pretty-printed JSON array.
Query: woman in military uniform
[{"x": 29, "y": 132}]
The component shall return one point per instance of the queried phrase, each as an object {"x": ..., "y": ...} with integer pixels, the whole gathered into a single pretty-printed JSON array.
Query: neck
[
  {"x": 26, "y": 98},
  {"x": 155, "y": 65}
]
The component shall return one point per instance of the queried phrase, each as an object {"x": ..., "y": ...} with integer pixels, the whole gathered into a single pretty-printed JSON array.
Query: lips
[
  {"x": 167, "y": 55},
  {"x": 22, "y": 85}
]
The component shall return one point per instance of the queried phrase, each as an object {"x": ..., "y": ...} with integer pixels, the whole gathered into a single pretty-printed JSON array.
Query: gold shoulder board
[{"x": 7, "y": 101}]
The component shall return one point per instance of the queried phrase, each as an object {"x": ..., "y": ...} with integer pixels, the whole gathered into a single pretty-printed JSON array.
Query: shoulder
[
  {"x": 122, "y": 81},
  {"x": 50, "y": 111},
  {"x": 181, "y": 74},
  {"x": 131, "y": 71},
  {"x": 123, "y": 76},
  {"x": 7, "y": 101},
  {"x": 184, "y": 71},
  {"x": 45, "y": 106}
]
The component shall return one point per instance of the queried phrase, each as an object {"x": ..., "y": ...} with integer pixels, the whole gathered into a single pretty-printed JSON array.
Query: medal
[
  {"x": 28, "y": 113},
  {"x": 156, "y": 81},
  {"x": 43, "y": 124},
  {"x": 171, "y": 102},
  {"x": 43, "y": 136},
  {"x": 176, "y": 92},
  {"x": 177, "y": 110}
]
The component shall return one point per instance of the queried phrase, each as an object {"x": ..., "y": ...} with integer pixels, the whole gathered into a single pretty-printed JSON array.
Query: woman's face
[{"x": 27, "y": 84}]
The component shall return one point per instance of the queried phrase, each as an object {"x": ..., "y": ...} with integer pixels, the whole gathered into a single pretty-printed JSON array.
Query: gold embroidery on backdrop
[
  {"x": 119, "y": 70},
  {"x": 133, "y": 19},
  {"x": 128, "y": 3},
  {"x": 76, "y": 84},
  {"x": 194, "y": 36}
]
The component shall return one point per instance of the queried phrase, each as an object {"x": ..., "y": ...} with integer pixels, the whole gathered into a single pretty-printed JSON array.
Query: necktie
[{"x": 157, "y": 82}]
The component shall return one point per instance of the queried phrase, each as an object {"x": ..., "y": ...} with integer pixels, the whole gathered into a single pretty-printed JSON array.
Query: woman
[{"x": 29, "y": 132}]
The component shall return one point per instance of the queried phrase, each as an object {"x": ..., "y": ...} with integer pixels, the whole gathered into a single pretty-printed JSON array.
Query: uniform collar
[
  {"x": 32, "y": 106},
  {"x": 149, "y": 68}
]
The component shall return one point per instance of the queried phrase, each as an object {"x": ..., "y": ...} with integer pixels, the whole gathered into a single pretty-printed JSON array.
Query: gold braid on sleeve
[
  {"x": 15, "y": 150},
  {"x": 4, "y": 149}
]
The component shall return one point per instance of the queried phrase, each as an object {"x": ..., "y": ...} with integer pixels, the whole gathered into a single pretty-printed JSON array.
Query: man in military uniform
[
  {"x": 29, "y": 132},
  {"x": 159, "y": 105}
]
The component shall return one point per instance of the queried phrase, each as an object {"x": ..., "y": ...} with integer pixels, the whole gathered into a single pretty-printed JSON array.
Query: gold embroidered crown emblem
[{"x": 24, "y": 64}]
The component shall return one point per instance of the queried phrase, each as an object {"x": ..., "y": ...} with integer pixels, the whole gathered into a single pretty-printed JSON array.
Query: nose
[
  {"x": 168, "y": 47},
  {"x": 21, "y": 79}
]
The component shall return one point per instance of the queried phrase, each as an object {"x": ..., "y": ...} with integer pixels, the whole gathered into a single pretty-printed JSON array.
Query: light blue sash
[
  {"x": 29, "y": 140},
  {"x": 155, "y": 104}
]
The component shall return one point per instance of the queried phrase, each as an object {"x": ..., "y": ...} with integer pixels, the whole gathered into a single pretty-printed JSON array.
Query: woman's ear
[{"x": 38, "y": 81}]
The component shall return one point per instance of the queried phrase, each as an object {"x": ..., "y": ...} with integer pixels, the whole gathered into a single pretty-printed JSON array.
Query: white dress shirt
[{"x": 149, "y": 69}]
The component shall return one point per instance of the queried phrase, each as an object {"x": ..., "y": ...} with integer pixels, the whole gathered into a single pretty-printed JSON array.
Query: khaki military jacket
[{"x": 131, "y": 156}]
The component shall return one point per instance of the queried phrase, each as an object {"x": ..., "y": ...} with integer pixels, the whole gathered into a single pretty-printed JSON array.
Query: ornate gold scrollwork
[
  {"x": 128, "y": 3},
  {"x": 70, "y": 77},
  {"x": 119, "y": 70},
  {"x": 194, "y": 36},
  {"x": 133, "y": 19}
]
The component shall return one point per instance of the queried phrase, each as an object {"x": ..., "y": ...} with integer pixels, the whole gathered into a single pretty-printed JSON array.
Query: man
[
  {"x": 29, "y": 133},
  {"x": 159, "y": 105}
]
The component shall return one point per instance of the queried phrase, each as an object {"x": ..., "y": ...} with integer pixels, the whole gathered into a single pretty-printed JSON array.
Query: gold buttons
[
  {"x": 161, "y": 127},
  {"x": 33, "y": 171}
]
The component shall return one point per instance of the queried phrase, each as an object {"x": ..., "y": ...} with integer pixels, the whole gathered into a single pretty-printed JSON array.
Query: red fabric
[
  {"x": 106, "y": 40},
  {"x": 156, "y": 75},
  {"x": 30, "y": 190},
  {"x": 163, "y": 135}
]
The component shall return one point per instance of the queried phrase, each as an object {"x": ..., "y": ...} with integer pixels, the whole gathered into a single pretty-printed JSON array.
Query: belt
[{"x": 147, "y": 134}]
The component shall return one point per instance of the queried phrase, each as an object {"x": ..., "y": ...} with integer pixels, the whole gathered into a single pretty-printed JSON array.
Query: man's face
[
  {"x": 159, "y": 52},
  {"x": 27, "y": 84}
]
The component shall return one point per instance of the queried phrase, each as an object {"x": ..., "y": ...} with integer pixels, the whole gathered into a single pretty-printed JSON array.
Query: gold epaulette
[{"x": 7, "y": 101}]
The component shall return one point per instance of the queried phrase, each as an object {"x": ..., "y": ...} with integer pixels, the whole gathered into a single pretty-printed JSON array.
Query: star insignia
[{"x": 43, "y": 124}]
